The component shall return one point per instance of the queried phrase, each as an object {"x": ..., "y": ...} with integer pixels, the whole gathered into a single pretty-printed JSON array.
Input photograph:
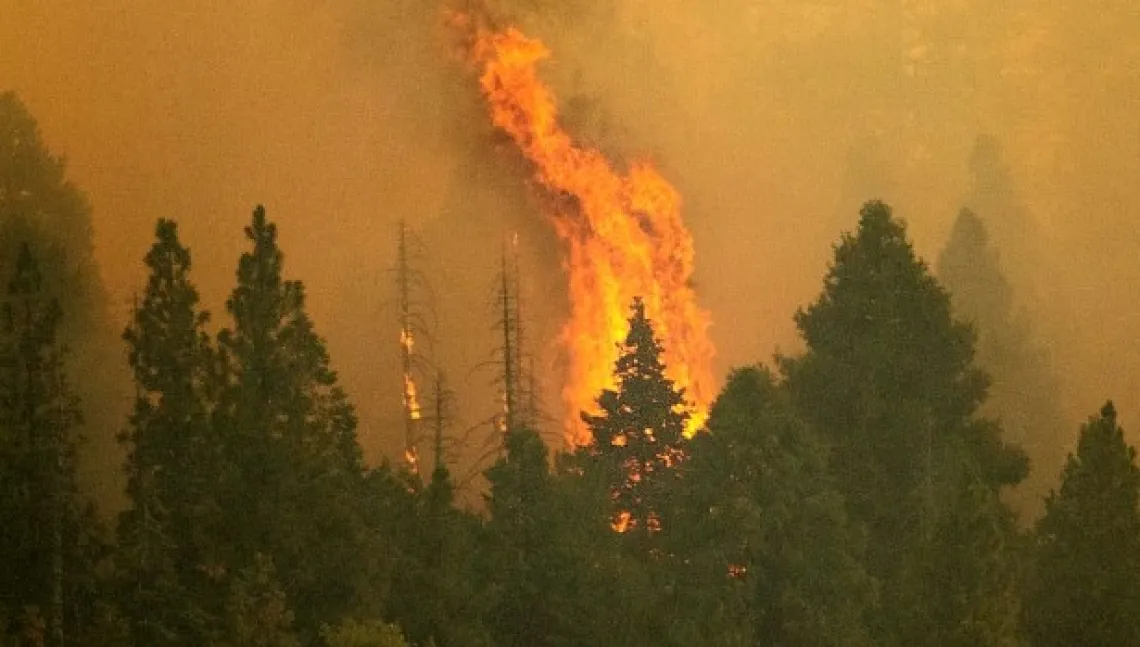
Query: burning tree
[
  {"x": 637, "y": 435},
  {"x": 623, "y": 230},
  {"x": 410, "y": 284}
]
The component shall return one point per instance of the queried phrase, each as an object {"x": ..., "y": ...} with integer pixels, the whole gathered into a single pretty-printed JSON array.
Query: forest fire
[
  {"x": 411, "y": 399},
  {"x": 412, "y": 409},
  {"x": 624, "y": 234}
]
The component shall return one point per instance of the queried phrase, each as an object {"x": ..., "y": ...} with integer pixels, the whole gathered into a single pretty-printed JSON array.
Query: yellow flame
[
  {"x": 412, "y": 407},
  {"x": 624, "y": 234},
  {"x": 412, "y": 398}
]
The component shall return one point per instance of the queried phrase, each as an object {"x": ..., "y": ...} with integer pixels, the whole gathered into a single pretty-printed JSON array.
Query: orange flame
[
  {"x": 411, "y": 398},
  {"x": 412, "y": 408},
  {"x": 624, "y": 234}
]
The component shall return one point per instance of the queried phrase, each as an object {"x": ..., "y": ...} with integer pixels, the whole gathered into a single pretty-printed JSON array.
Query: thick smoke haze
[{"x": 775, "y": 120}]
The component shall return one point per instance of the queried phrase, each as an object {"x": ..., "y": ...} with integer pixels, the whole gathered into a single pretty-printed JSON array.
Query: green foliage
[
  {"x": 888, "y": 378},
  {"x": 771, "y": 555},
  {"x": 351, "y": 633},
  {"x": 433, "y": 594},
  {"x": 854, "y": 503},
  {"x": 968, "y": 573},
  {"x": 1084, "y": 587},
  {"x": 536, "y": 555},
  {"x": 258, "y": 611},
  {"x": 638, "y": 434},
  {"x": 169, "y": 555},
  {"x": 50, "y": 541},
  {"x": 289, "y": 434}
]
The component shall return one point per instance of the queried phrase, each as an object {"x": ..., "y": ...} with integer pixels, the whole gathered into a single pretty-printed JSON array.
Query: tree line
[{"x": 851, "y": 494}]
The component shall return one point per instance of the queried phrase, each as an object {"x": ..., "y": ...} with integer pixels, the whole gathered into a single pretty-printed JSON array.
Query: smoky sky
[{"x": 775, "y": 120}]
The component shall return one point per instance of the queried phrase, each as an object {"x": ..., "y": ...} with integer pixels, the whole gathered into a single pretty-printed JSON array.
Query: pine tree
[
  {"x": 1024, "y": 390},
  {"x": 50, "y": 539},
  {"x": 552, "y": 569},
  {"x": 168, "y": 538},
  {"x": 967, "y": 573},
  {"x": 290, "y": 434},
  {"x": 258, "y": 609},
  {"x": 1084, "y": 587},
  {"x": 638, "y": 433},
  {"x": 520, "y": 538},
  {"x": 41, "y": 207},
  {"x": 765, "y": 534},
  {"x": 888, "y": 378}
]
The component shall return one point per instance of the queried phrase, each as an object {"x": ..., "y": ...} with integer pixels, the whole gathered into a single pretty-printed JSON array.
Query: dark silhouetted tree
[
  {"x": 769, "y": 553},
  {"x": 1084, "y": 587},
  {"x": 290, "y": 434},
  {"x": 49, "y": 539},
  {"x": 888, "y": 378},
  {"x": 258, "y": 613},
  {"x": 638, "y": 432},
  {"x": 168, "y": 538},
  {"x": 530, "y": 566}
]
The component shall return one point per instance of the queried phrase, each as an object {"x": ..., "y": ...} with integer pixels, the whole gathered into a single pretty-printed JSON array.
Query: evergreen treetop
[
  {"x": 170, "y": 557},
  {"x": 1085, "y": 581},
  {"x": 639, "y": 430}
]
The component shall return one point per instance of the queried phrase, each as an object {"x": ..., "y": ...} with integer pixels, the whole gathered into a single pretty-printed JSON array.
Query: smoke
[
  {"x": 775, "y": 121},
  {"x": 40, "y": 209}
]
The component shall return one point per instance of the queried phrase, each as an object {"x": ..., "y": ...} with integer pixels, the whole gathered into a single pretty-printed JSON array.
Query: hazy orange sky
[{"x": 774, "y": 119}]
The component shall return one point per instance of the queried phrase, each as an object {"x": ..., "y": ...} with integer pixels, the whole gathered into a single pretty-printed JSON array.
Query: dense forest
[{"x": 856, "y": 493}]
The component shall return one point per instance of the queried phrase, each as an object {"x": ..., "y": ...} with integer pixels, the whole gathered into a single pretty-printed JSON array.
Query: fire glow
[
  {"x": 624, "y": 234},
  {"x": 412, "y": 410}
]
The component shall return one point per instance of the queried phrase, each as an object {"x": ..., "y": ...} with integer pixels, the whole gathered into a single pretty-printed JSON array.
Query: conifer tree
[
  {"x": 553, "y": 570},
  {"x": 258, "y": 609},
  {"x": 290, "y": 435},
  {"x": 769, "y": 552},
  {"x": 638, "y": 433},
  {"x": 168, "y": 538},
  {"x": 888, "y": 378},
  {"x": 1084, "y": 587},
  {"x": 41, "y": 207},
  {"x": 520, "y": 536},
  {"x": 1024, "y": 390},
  {"x": 50, "y": 539}
]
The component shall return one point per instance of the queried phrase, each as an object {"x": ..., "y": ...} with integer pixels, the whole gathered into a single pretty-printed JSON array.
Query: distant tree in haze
[
  {"x": 888, "y": 379},
  {"x": 767, "y": 545},
  {"x": 993, "y": 194},
  {"x": 38, "y": 204},
  {"x": 1023, "y": 394},
  {"x": 289, "y": 434},
  {"x": 49, "y": 539},
  {"x": 1084, "y": 586},
  {"x": 41, "y": 207},
  {"x": 639, "y": 430},
  {"x": 169, "y": 553}
]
